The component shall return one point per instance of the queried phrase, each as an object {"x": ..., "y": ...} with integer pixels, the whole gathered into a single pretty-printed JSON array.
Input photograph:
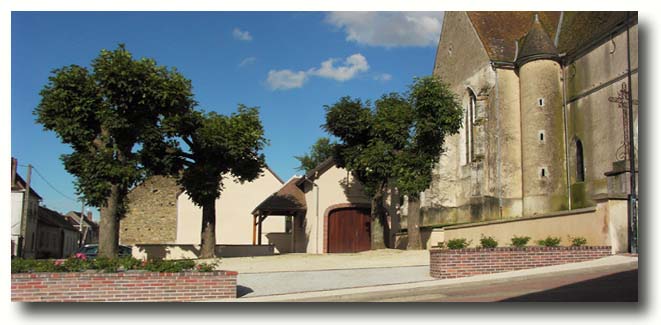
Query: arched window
[
  {"x": 580, "y": 168},
  {"x": 468, "y": 126}
]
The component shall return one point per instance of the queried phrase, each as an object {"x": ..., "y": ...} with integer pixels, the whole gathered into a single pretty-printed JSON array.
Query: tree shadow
[{"x": 242, "y": 291}]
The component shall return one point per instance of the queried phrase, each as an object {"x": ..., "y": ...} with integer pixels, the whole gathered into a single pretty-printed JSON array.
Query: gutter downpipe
[
  {"x": 633, "y": 218},
  {"x": 498, "y": 156},
  {"x": 316, "y": 242},
  {"x": 564, "y": 115}
]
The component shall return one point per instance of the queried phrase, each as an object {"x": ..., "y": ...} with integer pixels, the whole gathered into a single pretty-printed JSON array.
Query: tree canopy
[
  {"x": 110, "y": 115},
  {"x": 395, "y": 143},
  {"x": 321, "y": 150},
  {"x": 218, "y": 146}
]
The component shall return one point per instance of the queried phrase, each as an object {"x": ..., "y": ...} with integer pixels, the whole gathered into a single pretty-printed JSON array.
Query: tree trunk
[
  {"x": 208, "y": 245},
  {"x": 378, "y": 229},
  {"x": 108, "y": 227},
  {"x": 413, "y": 225}
]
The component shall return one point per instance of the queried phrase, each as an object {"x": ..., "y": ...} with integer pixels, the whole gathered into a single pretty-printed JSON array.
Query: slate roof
[
  {"x": 536, "y": 44},
  {"x": 287, "y": 200},
  {"x": 54, "y": 218},
  {"x": 499, "y": 30}
]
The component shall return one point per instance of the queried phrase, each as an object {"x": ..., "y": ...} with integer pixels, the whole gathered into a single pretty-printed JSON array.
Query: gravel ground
[{"x": 311, "y": 262}]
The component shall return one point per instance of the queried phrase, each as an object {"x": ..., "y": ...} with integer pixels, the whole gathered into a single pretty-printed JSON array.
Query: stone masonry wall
[
  {"x": 130, "y": 286},
  {"x": 449, "y": 263},
  {"x": 151, "y": 217}
]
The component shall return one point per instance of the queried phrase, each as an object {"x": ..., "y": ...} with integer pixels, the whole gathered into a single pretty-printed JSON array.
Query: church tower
[{"x": 542, "y": 123}]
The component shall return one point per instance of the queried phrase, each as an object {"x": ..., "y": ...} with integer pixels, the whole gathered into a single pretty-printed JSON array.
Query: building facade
[{"x": 542, "y": 131}]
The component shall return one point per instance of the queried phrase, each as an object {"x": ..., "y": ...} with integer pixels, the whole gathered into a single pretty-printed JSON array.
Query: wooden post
[
  {"x": 259, "y": 235},
  {"x": 254, "y": 230}
]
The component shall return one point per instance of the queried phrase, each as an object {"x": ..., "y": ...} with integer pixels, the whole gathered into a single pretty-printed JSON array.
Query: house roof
[
  {"x": 289, "y": 199},
  {"x": 54, "y": 218},
  {"x": 579, "y": 28},
  {"x": 320, "y": 169},
  {"x": 73, "y": 217},
  {"x": 499, "y": 30},
  {"x": 20, "y": 185}
]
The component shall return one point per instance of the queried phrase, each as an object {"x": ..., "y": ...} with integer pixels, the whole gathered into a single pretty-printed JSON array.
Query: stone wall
[
  {"x": 447, "y": 263},
  {"x": 130, "y": 286},
  {"x": 151, "y": 217}
]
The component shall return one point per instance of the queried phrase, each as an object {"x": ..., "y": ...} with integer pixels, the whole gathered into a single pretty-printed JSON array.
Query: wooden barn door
[{"x": 349, "y": 230}]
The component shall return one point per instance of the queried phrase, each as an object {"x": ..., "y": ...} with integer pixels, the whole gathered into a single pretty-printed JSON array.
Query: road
[{"x": 613, "y": 283}]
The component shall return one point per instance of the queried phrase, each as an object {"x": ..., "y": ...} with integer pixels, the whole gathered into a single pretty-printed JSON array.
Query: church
[{"x": 550, "y": 127}]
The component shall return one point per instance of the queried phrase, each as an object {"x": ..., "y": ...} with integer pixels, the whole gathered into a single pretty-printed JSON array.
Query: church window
[
  {"x": 470, "y": 142},
  {"x": 580, "y": 168},
  {"x": 543, "y": 172},
  {"x": 541, "y": 136},
  {"x": 540, "y": 102}
]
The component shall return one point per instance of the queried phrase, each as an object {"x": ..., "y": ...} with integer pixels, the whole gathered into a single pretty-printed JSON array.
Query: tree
[
  {"x": 110, "y": 116},
  {"x": 218, "y": 145},
  {"x": 437, "y": 115},
  {"x": 320, "y": 151},
  {"x": 394, "y": 144}
]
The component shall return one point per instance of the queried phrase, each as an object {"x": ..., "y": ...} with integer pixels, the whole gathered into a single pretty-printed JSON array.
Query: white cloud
[
  {"x": 383, "y": 77},
  {"x": 241, "y": 35},
  {"x": 286, "y": 79},
  {"x": 351, "y": 66},
  {"x": 345, "y": 70},
  {"x": 389, "y": 29},
  {"x": 247, "y": 61}
]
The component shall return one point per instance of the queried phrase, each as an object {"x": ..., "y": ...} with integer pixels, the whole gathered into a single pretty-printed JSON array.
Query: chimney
[
  {"x": 89, "y": 215},
  {"x": 14, "y": 164}
]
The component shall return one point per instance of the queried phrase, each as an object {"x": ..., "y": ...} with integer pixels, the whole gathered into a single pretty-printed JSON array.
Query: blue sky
[{"x": 290, "y": 64}]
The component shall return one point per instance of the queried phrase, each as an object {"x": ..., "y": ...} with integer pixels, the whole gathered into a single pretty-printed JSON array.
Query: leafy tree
[
  {"x": 218, "y": 145},
  {"x": 110, "y": 116},
  {"x": 396, "y": 143},
  {"x": 320, "y": 151}
]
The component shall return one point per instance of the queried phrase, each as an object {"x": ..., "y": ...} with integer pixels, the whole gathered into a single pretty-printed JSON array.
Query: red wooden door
[{"x": 349, "y": 230}]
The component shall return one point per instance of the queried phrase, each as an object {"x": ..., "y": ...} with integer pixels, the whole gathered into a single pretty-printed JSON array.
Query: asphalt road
[
  {"x": 274, "y": 283},
  {"x": 605, "y": 284}
]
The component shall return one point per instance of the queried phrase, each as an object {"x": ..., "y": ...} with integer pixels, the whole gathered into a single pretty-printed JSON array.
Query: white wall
[
  {"x": 233, "y": 213},
  {"x": 331, "y": 187}
]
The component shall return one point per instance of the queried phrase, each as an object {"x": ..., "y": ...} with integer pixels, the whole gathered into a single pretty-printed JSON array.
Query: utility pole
[
  {"x": 81, "y": 225},
  {"x": 24, "y": 214}
]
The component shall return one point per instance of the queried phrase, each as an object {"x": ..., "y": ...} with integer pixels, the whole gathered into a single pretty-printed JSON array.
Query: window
[
  {"x": 543, "y": 172},
  {"x": 469, "y": 121},
  {"x": 541, "y": 136},
  {"x": 580, "y": 168},
  {"x": 540, "y": 102}
]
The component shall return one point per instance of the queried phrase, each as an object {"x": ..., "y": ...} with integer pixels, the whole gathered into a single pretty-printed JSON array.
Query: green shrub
[
  {"x": 520, "y": 241},
  {"x": 440, "y": 245},
  {"x": 549, "y": 241},
  {"x": 169, "y": 266},
  {"x": 458, "y": 243},
  {"x": 578, "y": 241},
  {"x": 206, "y": 267},
  {"x": 488, "y": 242},
  {"x": 74, "y": 264}
]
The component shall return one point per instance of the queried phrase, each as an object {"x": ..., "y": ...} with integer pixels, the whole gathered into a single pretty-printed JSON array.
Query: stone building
[
  {"x": 540, "y": 136},
  {"x": 162, "y": 221}
]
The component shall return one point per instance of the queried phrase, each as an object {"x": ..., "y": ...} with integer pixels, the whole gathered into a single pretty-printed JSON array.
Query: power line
[{"x": 49, "y": 184}]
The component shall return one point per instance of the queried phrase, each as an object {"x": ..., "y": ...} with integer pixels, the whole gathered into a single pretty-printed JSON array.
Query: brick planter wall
[
  {"x": 448, "y": 263},
  {"x": 127, "y": 286}
]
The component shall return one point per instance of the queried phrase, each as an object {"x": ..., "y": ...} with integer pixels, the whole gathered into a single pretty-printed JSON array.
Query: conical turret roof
[{"x": 536, "y": 45}]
